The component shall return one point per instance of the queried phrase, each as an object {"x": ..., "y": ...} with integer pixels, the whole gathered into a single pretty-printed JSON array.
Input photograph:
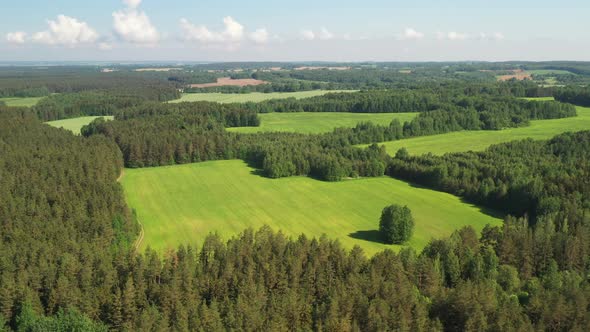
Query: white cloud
[
  {"x": 134, "y": 26},
  {"x": 132, "y": 3},
  {"x": 232, "y": 33},
  {"x": 411, "y": 34},
  {"x": 324, "y": 34},
  {"x": 307, "y": 34},
  {"x": 17, "y": 37},
  {"x": 104, "y": 46},
  {"x": 260, "y": 36},
  {"x": 453, "y": 36},
  {"x": 66, "y": 31}
]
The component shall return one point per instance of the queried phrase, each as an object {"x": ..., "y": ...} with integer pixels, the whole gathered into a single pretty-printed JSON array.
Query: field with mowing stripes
[
  {"x": 182, "y": 204},
  {"x": 252, "y": 97},
  {"x": 480, "y": 140},
  {"x": 302, "y": 122}
]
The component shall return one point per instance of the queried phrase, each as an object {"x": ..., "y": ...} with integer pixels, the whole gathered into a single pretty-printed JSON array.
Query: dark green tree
[{"x": 396, "y": 225}]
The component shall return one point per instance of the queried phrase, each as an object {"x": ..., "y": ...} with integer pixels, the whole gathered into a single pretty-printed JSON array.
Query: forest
[{"x": 68, "y": 239}]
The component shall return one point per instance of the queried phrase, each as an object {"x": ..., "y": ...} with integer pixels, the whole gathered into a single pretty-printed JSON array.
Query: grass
[
  {"x": 182, "y": 204},
  {"x": 302, "y": 122},
  {"x": 549, "y": 72},
  {"x": 21, "y": 102},
  {"x": 253, "y": 97},
  {"x": 480, "y": 140},
  {"x": 75, "y": 124}
]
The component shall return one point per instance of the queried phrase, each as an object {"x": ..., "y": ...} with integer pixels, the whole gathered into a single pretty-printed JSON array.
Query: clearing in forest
[
  {"x": 254, "y": 97},
  {"x": 316, "y": 122},
  {"x": 481, "y": 139},
  {"x": 75, "y": 124},
  {"x": 182, "y": 204}
]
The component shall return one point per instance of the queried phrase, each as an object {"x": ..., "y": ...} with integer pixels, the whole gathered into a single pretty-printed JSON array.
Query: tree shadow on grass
[{"x": 370, "y": 236}]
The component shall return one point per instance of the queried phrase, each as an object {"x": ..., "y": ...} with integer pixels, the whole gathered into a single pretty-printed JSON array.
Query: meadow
[
  {"x": 182, "y": 204},
  {"x": 302, "y": 122},
  {"x": 21, "y": 102},
  {"x": 479, "y": 140},
  {"x": 251, "y": 97},
  {"x": 75, "y": 124}
]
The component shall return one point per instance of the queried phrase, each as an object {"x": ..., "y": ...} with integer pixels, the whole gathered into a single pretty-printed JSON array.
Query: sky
[{"x": 304, "y": 30}]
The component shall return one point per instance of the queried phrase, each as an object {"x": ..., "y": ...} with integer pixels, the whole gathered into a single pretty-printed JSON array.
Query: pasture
[
  {"x": 182, "y": 204},
  {"x": 75, "y": 124},
  {"x": 250, "y": 97},
  {"x": 302, "y": 122},
  {"x": 479, "y": 140},
  {"x": 228, "y": 81},
  {"x": 21, "y": 102}
]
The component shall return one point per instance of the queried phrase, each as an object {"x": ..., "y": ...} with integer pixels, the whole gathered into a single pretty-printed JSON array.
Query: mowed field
[
  {"x": 302, "y": 122},
  {"x": 480, "y": 140},
  {"x": 251, "y": 97},
  {"x": 182, "y": 204},
  {"x": 75, "y": 124},
  {"x": 21, "y": 102}
]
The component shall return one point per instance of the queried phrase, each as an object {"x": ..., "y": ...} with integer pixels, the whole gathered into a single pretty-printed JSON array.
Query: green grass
[
  {"x": 480, "y": 140},
  {"x": 302, "y": 122},
  {"x": 549, "y": 72},
  {"x": 253, "y": 97},
  {"x": 75, "y": 124},
  {"x": 21, "y": 102},
  {"x": 182, "y": 204}
]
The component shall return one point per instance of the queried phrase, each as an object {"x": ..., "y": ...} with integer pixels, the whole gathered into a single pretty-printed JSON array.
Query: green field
[
  {"x": 75, "y": 124},
  {"x": 182, "y": 204},
  {"x": 302, "y": 122},
  {"x": 480, "y": 140},
  {"x": 21, "y": 102},
  {"x": 253, "y": 97},
  {"x": 549, "y": 72}
]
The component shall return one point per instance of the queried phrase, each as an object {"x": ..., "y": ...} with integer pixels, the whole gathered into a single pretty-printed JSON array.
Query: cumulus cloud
[
  {"x": 411, "y": 34},
  {"x": 66, "y": 31},
  {"x": 17, "y": 37},
  {"x": 105, "y": 46},
  {"x": 491, "y": 36},
  {"x": 452, "y": 35},
  {"x": 232, "y": 34},
  {"x": 324, "y": 34},
  {"x": 307, "y": 34},
  {"x": 260, "y": 36},
  {"x": 134, "y": 26}
]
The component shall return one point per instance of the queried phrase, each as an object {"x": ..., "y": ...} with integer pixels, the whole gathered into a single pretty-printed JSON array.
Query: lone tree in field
[{"x": 396, "y": 225}]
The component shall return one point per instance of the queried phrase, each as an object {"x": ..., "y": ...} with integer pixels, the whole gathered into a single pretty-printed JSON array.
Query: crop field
[
  {"x": 251, "y": 97},
  {"x": 75, "y": 124},
  {"x": 302, "y": 122},
  {"x": 480, "y": 140},
  {"x": 182, "y": 204},
  {"x": 21, "y": 102}
]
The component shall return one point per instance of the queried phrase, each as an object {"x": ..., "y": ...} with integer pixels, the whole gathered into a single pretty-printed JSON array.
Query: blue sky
[{"x": 128, "y": 30}]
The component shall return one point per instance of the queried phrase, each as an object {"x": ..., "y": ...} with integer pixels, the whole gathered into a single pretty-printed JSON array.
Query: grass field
[
  {"x": 480, "y": 140},
  {"x": 21, "y": 102},
  {"x": 302, "y": 122},
  {"x": 75, "y": 124},
  {"x": 182, "y": 204},
  {"x": 253, "y": 97},
  {"x": 549, "y": 72}
]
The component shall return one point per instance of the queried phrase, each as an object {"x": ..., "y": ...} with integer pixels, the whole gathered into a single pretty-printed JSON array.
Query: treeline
[
  {"x": 42, "y": 81},
  {"x": 538, "y": 179},
  {"x": 405, "y": 101},
  {"x": 574, "y": 95},
  {"x": 164, "y": 134}
]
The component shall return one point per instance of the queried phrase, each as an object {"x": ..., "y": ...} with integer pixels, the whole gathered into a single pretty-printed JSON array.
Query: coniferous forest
[{"x": 69, "y": 260}]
